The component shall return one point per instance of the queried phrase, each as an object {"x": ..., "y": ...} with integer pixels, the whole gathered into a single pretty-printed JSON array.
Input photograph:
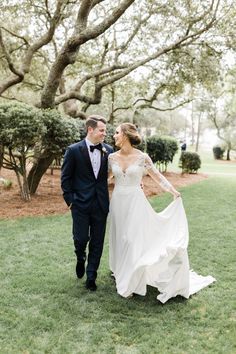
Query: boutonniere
[{"x": 104, "y": 150}]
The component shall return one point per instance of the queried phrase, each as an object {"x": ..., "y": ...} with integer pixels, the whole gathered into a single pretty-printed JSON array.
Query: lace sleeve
[
  {"x": 109, "y": 162},
  {"x": 156, "y": 175}
]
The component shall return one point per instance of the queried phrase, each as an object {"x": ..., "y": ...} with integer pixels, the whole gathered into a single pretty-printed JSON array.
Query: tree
[
  {"x": 226, "y": 129},
  {"x": 59, "y": 132},
  {"x": 222, "y": 111},
  {"x": 29, "y": 135},
  {"x": 20, "y": 129},
  {"x": 113, "y": 65},
  {"x": 120, "y": 33}
]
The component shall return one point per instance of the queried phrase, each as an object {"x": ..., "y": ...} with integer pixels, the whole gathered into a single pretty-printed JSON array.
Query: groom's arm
[{"x": 67, "y": 171}]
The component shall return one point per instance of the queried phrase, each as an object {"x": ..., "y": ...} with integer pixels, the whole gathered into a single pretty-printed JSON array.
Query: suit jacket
[{"x": 78, "y": 182}]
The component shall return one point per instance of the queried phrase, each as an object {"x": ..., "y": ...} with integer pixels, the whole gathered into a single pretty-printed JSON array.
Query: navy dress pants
[{"x": 89, "y": 229}]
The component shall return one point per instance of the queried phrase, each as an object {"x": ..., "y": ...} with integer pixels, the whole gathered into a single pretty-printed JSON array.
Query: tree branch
[
  {"x": 15, "y": 35},
  {"x": 68, "y": 53},
  {"x": 26, "y": 62},
  {"x": 82, "y": 18},
  {"x": 182, "y": 41},
  {"x": 121, "y": 108},
  {"x": 75, "y": 93},
  {"x": 124, "y": 46},
  {"x": 8, "y": 58},
  {"x": 95, "y": 2},
  {"x": 164, "y": 109}
]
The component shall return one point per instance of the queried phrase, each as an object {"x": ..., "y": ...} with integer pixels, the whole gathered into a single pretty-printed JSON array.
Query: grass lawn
[
  {"x": 209, "y": 164},
  {"x": 45, "y": 309}
]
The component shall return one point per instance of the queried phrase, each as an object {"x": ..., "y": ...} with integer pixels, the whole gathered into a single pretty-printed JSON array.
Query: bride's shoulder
[
  {"x": 142, "y": 154},
  {"x": 145, "y": 155},
  {"x": 112, "y": 156},
  {"x": 138, "y": 152},
  {"x": 145, "y": 159},
  {"x": 142, "y": 157}
]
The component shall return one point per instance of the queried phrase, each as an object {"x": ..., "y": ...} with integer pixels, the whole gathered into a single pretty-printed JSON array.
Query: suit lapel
[{"x": 103, "y": 159}]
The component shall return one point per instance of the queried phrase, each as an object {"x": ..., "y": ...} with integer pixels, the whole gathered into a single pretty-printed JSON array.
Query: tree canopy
[
  {"x": 125, "y": 59},
  {"x": 72, "y": 54}
]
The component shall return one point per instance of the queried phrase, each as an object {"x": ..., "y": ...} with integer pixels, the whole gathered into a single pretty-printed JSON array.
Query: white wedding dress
[{"x": 148, "y": 248}]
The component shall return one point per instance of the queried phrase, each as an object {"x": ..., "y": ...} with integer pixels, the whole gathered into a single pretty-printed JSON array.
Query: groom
[{"x": 84, "y": 184}]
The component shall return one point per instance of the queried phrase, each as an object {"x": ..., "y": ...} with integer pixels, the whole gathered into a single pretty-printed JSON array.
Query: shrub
[
  {"x": 28, "y": 133},
  {"x": 190, "y": 162},
  {"x": 161, "y": 150},
  {"x": 5, "y": 183},
  {"x": 218, "y": 152},
  {"x": 20, "y": 129},
  {"x": 142, "y": 146},
  {"x": 59, "y": 132}
]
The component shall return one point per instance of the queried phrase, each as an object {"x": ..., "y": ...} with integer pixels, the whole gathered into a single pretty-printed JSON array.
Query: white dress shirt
[{"x": 95, "y": 157}]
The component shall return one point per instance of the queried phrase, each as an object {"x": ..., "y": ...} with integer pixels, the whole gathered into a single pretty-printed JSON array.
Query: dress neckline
[{"x": 131, "y": 164}]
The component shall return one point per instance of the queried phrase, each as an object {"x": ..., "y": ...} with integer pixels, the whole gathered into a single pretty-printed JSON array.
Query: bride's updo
[{"x": 131, "y": 132}]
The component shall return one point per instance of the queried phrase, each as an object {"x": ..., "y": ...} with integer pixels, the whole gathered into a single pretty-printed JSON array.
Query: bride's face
[{"x": 118, "y": 137}]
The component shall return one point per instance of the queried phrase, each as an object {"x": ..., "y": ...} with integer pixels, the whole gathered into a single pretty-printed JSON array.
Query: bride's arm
[
  {"x": 110, "y": 174},
  {"x": 159, "y": 178}
]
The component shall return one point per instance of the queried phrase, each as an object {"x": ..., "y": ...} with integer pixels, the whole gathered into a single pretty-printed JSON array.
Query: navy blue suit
[{"x": 90, "y": 202}]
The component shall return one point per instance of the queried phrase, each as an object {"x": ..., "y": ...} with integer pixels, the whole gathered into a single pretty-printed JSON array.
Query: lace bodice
[{"x": 132, "y": 175}]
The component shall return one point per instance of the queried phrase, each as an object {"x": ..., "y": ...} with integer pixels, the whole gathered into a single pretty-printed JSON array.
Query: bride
[{"x": 146, "y": 248}]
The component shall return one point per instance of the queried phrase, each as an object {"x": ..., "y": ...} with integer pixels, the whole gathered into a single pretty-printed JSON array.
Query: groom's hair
[{"x": 92, "y": 121}]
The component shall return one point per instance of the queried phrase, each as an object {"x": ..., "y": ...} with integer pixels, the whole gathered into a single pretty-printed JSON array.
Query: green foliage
[
  {"x": 20, "y": 129},
  {"x": 110, "y": 132},
  {"x": 80, "y": 126},
  {"x": 161, "y": 150},
  {"x": 218, "y": 152},
  {"x": 6, "y": 183},
  {"x": 190, "y": 162},
  {"x": 20, "y": 126},
  {"x": 142, "y": 145},
  {"x": 109, "y": 137},
  {"x": 59, "y": 132},
  {"x": 28, "y": 133}
]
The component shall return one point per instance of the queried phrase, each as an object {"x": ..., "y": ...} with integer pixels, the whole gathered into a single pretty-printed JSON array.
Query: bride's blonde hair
[{"x": 130, "y": 130}]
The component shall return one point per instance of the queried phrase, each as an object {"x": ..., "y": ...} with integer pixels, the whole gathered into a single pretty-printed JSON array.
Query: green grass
[
  {"x": 209, "y": 164},
  {"x": 45, "y": 309}
]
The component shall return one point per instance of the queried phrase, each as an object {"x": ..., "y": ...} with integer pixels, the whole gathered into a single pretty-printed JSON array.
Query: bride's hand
[{"x": 176, "y": 195}]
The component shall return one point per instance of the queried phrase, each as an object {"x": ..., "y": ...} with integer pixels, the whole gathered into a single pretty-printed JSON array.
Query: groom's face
[{"x": 97, "y": 135}]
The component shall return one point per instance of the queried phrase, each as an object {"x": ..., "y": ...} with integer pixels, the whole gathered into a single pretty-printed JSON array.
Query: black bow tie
[{"x": 98, "y": 146}]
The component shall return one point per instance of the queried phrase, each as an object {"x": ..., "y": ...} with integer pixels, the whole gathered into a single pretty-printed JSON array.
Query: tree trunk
[
  {"x": 37, "y": 171},
  {"x": 228, "y": 155},
  {"x": 111, "y": 119},
  {"x": 198, "y": 132},
  {"x": 1, "y": 156},
  {"x": 192, "y": 126},
  {"x": 25, "y": 186}
]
